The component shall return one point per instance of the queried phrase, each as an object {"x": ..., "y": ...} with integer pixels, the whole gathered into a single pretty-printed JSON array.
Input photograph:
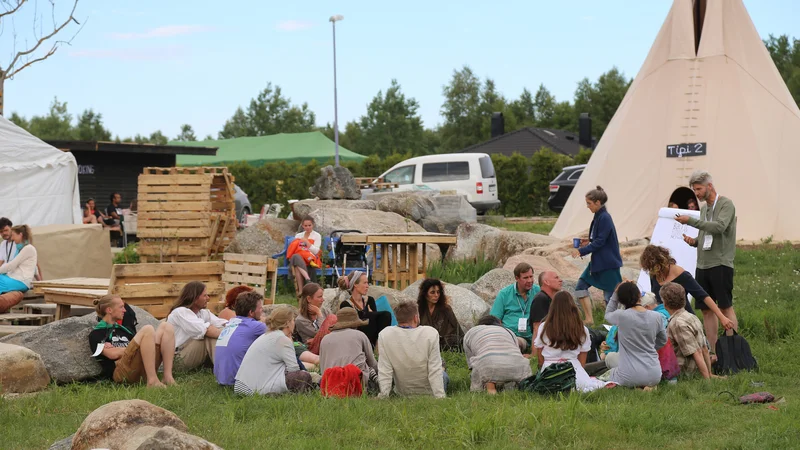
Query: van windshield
[{"x": 487, "y": 168}]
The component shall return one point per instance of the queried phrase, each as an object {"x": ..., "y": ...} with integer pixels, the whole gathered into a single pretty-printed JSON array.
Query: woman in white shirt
[
  {"x": 270, "y": 365},
  {"x": 310, "y": 243},
  {"x": 196, "y": 328},
  {"x": 563, "y": 337},
  {"x": 18, "y": 274}
]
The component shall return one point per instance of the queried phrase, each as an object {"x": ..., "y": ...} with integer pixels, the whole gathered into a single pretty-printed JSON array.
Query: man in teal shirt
[{"x": 513, "y": 304}]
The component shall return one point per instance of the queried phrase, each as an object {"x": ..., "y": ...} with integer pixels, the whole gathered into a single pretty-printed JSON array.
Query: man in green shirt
[
  {"x": 513, "y": 304},
  {"x": 716, "y": 248}
]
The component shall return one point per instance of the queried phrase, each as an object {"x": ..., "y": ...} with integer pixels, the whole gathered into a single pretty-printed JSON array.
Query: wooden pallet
[
  {"x": 186, "y": 214},
  {"x": 255, "y": 271},
  {"x": 73, "y": 283},
  {"x": 24, "y": 319},
  {"x": 155, "y": 287}
]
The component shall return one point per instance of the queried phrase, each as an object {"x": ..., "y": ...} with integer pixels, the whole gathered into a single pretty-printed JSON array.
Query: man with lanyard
[
  {"x": 513, "y": 304},
  {"x": 8, "y": 250},
  {"x": 716, "y": 248}
]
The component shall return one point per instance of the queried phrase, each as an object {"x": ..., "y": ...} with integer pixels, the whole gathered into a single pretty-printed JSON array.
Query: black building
[{"x": 107, "y": 167}]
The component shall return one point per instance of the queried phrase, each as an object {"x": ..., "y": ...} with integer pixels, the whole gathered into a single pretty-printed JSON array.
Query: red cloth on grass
[{"x": 341, "y": 382}]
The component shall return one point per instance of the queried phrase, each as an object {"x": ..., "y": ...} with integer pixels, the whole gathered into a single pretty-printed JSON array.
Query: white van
[{"x": 470, "y": 174}]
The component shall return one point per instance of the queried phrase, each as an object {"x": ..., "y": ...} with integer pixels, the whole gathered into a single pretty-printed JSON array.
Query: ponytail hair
[
  {"x": 103, "y": 303},
  {"x": 25, "y": 231},
  {"x": 597, "y": 195}
]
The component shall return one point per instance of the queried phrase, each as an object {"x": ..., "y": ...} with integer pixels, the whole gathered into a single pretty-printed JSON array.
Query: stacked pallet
[{"x": 186, "y": 214}]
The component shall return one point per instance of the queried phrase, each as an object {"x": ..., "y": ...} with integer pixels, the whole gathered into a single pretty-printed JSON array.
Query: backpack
[
  {"x": 557, "y": 377},
  {"x": 733, "y": 355}
]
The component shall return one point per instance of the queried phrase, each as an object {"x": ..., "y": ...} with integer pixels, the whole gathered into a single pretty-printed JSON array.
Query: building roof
[
  {"x": 259, "y": 150},
  {"x": 131, "y": 147},
  {"x": 527, "y": 141}
]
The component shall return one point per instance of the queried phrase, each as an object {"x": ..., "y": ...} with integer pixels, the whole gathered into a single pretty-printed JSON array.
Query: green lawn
[
  {"x": 689, "y": 414},
  {"x": 530, "y": 227}
]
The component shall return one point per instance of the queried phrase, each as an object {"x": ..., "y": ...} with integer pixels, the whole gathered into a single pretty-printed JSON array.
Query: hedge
[{"x": 523, "y": 188}]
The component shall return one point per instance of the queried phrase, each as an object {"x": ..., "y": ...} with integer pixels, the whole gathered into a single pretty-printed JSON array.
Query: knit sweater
[{"x": 23, "y": 266}]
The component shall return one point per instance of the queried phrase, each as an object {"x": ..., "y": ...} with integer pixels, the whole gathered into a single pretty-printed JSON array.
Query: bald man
[{"x": 550, "y": 283}]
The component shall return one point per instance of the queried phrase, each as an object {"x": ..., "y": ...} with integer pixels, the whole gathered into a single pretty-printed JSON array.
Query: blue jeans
[
  {"x": 446, "y": 379},
  {"x": 582, "y": 290}
]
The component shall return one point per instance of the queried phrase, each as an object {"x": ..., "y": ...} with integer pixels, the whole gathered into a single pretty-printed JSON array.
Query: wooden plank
[
  {"x": 152, "y": 180},
  {"x": 196, "y": 268},
  {"x": 158, "y": 311},
  {"x": 167, "y": 248},
  {"x": 177, "y": 196},
  {"x": 175, "y": 206},
  {"x": 241, "y": 257},
  {"x": 62, "y": 311},
  {"x": 246, "y": 268},
  {"x": 244, "y": 279},
  {"x": 75, "y": 292},
  {"x": 399, "y": 238},
  {"x": 78, "y": 283},
  {"x": 171, "y": 290},
  {"x": 173, "y": 233},
  {"x": 274, "y": 284},
  {"x": 174, "y": 189},
  {"x": 144, "y": 216},
  {"x": 260, "y": 289},
  {"x": 168, "y": 222}
]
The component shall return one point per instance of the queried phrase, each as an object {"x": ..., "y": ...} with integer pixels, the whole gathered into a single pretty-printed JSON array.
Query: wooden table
[
  {"x": 65, "y": 298},
  {"x": 399, "y": 264}
]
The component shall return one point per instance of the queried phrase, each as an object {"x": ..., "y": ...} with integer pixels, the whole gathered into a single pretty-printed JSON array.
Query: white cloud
[
  {"x": 294, "y": 25},
  {"x": 132, "y": 54},
  {"x": 165, "y": 31}
]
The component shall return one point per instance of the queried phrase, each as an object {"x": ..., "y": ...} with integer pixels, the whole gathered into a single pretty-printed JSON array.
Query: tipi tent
[
  {"x": 38, "y": 183},
  {"x": 708, "y": 79}
]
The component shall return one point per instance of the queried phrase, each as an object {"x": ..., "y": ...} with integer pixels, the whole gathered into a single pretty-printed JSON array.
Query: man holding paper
[{"x": 716, "y": 248}]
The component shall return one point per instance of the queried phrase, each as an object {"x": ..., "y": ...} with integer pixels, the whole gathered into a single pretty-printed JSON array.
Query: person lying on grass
[
  {"x": 686, "y": 332},
  {"x": 125, "y": 355}
]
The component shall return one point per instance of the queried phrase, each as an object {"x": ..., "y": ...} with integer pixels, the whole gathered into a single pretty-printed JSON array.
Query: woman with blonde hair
[
  {"x": 18, "y": 274},
  {"x": 270, "y": 365},
  {"x": 357, "y": 285}
]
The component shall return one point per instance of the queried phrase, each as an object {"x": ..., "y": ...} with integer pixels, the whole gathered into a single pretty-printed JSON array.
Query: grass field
[{"x": 690, "y": 414}]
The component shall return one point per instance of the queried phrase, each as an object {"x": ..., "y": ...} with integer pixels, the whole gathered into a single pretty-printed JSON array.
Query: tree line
[{"x": 391, "y": 123}]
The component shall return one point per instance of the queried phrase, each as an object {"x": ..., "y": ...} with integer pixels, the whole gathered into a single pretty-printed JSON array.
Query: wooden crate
[
  {"x": 185, "y": 214},
  {"x": 251, "y": 270},
  {"x": 154, "y": 287}
]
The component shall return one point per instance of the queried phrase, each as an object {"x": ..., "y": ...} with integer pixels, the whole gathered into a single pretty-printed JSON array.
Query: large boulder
[
  {"x": 304, "y": 207},
  {"x": 266, "y": 237},
  {"x": 539, "y": 263},
  {"x": 454, "y": 206},
  {"x": 565, "y": 265},
  {"x": 470, "y": 237},
  {"x": 561, "y": 246},
  {"x": 135, "y": 424},
  {"x": 503, "y": 245},
  {"x": 335, "y": 183},
  {"x": 366, "y": 221},
  {"x": 411, "y": 205},
  {"x": 467, "y": 306},
  {"x": 21, "y": 370},
  {"x": 64, "y": 345},
  {"x": 438, "y": 224},
  {"x": 491, "y": 282}
]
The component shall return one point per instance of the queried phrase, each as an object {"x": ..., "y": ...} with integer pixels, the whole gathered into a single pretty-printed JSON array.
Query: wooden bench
[
  {"x": 251, "y": 270},
  {"x": 6, "y": 330},
  {"x": 24, "y": 319}
]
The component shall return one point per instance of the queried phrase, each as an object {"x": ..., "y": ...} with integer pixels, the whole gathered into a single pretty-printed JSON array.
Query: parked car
[
  {"x": 243, "y": 207},
  {"x": 470, "y": 174},
  {"x": 562, "y": 186}
]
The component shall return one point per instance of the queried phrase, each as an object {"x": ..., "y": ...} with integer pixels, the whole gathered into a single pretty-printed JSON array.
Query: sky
[{"x": 151, "y": 65}]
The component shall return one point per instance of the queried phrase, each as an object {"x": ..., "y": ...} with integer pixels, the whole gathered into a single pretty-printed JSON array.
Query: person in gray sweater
[
  {"x": 641, "y": 333},
  {"x": 347, "y": 345}
]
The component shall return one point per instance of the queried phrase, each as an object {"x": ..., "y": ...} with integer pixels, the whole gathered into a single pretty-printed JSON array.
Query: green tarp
[{"x": 260, "y": 150}]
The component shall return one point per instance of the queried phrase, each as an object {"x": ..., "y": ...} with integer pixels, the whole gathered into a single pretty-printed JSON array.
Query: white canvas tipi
[
  {"x": 38, "y": 182},
  {"x": 707, "y": 79}
]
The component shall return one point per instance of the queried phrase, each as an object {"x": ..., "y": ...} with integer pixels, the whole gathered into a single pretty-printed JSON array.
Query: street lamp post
[{"x": 333, "y": 21}]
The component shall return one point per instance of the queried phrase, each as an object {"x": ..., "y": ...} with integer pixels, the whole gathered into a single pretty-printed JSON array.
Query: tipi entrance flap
[{"x": 681, "y": 197}]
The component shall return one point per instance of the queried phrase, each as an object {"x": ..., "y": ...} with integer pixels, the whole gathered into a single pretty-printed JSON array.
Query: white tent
[
  {"x": 707, "y": 79},
  {"x": 38, "y": 182}
]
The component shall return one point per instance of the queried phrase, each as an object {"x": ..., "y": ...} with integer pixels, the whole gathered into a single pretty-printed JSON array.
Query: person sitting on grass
[
  {"x": 346, "y": 344},
  {"x": 409, "y": 357},
  {"x": 229, "y": 311},
  {"x": 357, "y": 286},
  {"x": 549, "y": 283},
  {"x": 641, "y": 334},
  {"x": 513, "y": 304},
  {"x": 685, "y": 331},
  {"x": 312, "y": 315},
  {"x": 196, "y": 328},
  {"x": 128, "y": 356},
  {"x": 240, "y": 333},
  {"x": 435, "y": 311},
  {"x": 562, "y": 336},
  {"x": 270, "y": 365},
  {"x": 494, "y": 356}
]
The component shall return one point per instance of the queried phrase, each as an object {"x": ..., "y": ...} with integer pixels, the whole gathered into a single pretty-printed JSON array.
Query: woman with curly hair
[
  {"x": 562, "y": 336},
  {"x": 435, "y": 311},
  {"x": 229, "y": 312}
]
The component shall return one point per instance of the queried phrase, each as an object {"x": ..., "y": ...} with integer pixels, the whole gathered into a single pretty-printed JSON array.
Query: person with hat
[
  {"x": 347, "y": 345},
  {"x": 357, "y": 285},
  {"x": 270, "y": 365}
]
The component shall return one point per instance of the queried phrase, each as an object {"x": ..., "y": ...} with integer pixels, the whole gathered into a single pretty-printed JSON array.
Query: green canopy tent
[{"x": 260, "y": 150}]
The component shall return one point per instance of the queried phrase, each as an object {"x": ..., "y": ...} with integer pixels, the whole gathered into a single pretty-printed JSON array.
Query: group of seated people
[
  {"x": 287, "y": 351},
  {"x": 18, "y": 263}
]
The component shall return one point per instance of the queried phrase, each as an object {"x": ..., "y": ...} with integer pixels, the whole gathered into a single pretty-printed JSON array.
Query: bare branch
[
  {"x": 15, "y": 9},
  {"x": 10, "y": 70}
]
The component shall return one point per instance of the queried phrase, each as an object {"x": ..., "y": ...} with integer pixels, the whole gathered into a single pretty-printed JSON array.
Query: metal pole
[{"x": 335, "y": 106}]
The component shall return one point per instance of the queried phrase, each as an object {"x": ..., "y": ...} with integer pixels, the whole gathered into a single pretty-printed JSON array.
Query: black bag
[
  {"x": 733, "y": 355},
  {"x": 597, "y": 338},
  {"x": 557, "y": 377}
]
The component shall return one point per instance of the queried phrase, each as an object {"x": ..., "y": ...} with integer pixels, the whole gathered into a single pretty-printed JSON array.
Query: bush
[
  {"x": 128, "y": 255},
  {"x": 455, "y": 272}
]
